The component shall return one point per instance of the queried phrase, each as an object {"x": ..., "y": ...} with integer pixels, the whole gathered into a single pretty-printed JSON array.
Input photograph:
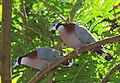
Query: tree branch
[
  {"x": 6, "y": 42},
  {"x": 113, "y": 70},
  {"x": 73, "y": 54}
]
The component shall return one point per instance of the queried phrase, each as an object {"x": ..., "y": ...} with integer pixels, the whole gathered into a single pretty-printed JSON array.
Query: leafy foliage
[{"x": 98, "y": 16}]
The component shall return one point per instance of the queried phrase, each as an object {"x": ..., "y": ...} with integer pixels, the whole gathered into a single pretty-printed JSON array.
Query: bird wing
[
  {"x": 84, "y": 35},
  {"x": 49, "y": 54}
]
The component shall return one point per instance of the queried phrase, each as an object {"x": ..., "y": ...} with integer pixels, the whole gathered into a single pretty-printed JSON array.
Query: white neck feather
[
  {"x": 61, "y": 28},
  {"x": 25, "y": 60}
]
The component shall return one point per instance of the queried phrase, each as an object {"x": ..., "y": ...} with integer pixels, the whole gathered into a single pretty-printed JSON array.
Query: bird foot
[
  {"x": 77, "y": 50},
  {"x": 38, "y": 75},
  {"x": 49, "y": 67}
]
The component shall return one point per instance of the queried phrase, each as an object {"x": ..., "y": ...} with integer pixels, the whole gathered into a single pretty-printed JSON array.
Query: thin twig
[
  {"x": 53, "y": 10},
  {"x": 24, "y": 15},
  {"x": 113, "y": 70},
  {"x": 76, "y": 6},
  {"x": 26, "y": 22},
  {"x": 38, "y": 33},
  {"x": 73, "y": 54}
]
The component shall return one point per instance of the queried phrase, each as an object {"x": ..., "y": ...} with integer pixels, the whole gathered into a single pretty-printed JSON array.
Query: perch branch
[
  {"x": 113, "y": 70},
  {"x": 73, "y": 54}
]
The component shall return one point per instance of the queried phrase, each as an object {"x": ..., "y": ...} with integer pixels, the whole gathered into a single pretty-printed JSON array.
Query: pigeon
[
  {"x": 76, "y": 36},
  {"x": 41, "y": 58}
]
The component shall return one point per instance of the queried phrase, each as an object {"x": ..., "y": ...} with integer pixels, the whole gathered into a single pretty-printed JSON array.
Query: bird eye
[
  {"x": 15, "y": 60},
  {"x": 53, "y": 24}
]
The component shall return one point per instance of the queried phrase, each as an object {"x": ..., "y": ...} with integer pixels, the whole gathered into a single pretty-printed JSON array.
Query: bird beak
[
  {"x": 52, "y": 28},
  {"x": 14, "y": 67}
]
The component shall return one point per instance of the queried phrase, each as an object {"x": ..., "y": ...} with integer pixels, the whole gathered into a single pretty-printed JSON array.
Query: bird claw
[
  {"x": 49, "y": 67},
  {"x": 77, "y": 50},
  {"x": 37, "y": 75}
]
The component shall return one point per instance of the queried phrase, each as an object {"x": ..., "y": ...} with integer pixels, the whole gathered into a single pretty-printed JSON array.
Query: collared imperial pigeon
[
  {"x": 77, "y": 36},
  {"x": 40, "y": 58}
]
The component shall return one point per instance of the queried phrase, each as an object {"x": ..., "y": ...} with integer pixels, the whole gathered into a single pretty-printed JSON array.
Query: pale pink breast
[
  {"x": 37, "y": 63},
  {"x": 70, "y": 38}
]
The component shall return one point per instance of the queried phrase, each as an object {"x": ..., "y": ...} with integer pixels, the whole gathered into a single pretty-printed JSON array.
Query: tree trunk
[{"x": 6, "y": 41}]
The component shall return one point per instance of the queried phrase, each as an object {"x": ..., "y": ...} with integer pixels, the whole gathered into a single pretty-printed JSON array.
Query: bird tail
[{"x": 104, "y": 54}]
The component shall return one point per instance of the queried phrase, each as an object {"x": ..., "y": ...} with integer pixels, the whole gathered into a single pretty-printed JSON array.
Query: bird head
[
  {"x": 55, "y": 26},
  {"x": 17, "y": 61}
]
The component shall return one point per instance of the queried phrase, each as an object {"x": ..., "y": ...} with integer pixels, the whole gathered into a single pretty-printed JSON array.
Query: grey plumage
[
  {"x": 49, "y": 54},
  {"x": 84, "y": 35},
  {"x": 40, "y": 58}
]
